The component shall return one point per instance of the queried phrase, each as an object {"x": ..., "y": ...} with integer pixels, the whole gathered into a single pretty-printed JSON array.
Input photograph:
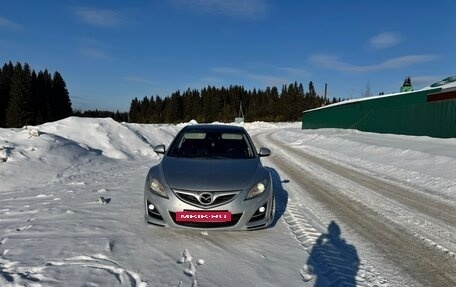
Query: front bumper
[{"x": 245, "y": 214}]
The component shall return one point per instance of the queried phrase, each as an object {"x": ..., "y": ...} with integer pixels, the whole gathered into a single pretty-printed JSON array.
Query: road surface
[{"x": 365, "y": 205}]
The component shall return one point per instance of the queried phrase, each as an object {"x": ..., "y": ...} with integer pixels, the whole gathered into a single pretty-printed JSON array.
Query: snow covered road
[
  {"x": 343, "y": 219},
  {"x": 404, "y": 229}
]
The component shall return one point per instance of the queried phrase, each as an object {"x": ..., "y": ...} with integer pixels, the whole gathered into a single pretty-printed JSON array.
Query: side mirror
[
  {"x": 264, "y": 151},
  {"x": 160, "y": 149}
]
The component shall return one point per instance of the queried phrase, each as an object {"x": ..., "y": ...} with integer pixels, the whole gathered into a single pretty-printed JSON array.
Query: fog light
[
  {"x": 151, "y": 207},
  {"x": 262, "y": 209}
]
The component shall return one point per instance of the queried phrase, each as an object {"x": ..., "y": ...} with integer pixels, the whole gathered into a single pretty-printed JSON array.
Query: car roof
[{"x": 214, "y": 127}]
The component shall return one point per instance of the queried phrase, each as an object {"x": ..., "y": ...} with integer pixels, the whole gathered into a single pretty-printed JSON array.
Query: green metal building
[{"x": 427, "y": 112}]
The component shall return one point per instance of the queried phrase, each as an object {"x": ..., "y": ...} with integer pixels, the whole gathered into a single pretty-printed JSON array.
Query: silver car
[{"x": 211, "y": 177}]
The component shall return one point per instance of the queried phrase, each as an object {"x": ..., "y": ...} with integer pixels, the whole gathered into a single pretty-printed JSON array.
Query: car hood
[{"x": 208, "y": 174}]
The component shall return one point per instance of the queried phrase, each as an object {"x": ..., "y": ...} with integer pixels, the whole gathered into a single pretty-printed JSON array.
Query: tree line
[
  {"x": 30, "y": 98},
  {"x": 223, "y": 104},
  {"x": 117, "y": 116}
]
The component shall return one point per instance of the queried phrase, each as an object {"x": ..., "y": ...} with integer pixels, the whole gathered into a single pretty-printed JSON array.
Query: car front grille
[{"x": 194, "y": 197}]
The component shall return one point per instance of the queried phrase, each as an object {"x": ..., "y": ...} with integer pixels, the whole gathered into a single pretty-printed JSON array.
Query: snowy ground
[{"x": 54, "y": 231}]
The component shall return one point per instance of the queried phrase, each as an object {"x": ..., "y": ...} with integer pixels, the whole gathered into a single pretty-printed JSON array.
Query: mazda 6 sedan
[{"x": 210, "y": 177}]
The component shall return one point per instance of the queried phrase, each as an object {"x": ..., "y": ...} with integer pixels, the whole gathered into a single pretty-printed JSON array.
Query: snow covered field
[{"x": 55, "y": 231}]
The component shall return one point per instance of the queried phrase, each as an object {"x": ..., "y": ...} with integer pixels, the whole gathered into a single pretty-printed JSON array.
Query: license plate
[{"x": 203, "y": 216}]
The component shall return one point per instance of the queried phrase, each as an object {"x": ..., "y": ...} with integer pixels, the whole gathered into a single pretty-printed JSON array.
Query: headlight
[
  {"x": 158, "y": 188},
  {"x": 257, "y": 189}
]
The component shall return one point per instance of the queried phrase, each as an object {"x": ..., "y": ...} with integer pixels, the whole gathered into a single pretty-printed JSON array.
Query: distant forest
[
  {"x": 117, "y": 116},
  {"x": 223, "y": 104},
  {"x": 30, "y": 98}
]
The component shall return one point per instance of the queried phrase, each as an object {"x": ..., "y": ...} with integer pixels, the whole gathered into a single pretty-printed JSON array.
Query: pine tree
[
  {"x": 20, "y": 107},
  {"x": 312, "y": 92},
  {"x": 2, "y": 105},
  {"x": 5, "y": 86},
  {"x": 135, "y": 108},
  {"x": 60, "y": 99},
  {"x": 42, "y": 97}
]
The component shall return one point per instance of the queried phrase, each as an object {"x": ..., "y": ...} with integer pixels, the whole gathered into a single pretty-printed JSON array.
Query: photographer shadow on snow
[
  {"x": 280, "y": 195},
  {"x": 332, "y": 261}
]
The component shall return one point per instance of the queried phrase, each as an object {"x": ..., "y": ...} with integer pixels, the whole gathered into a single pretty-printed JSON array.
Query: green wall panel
[{"x": 407, "y": 113}]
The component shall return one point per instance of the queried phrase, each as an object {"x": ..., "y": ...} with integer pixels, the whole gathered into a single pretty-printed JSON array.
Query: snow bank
[
  {"x": 112, "y": 139},
  {"x": 51, "y": 148}
]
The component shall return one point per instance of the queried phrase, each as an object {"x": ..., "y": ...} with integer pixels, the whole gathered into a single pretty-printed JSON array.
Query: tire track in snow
[
  {"x": 306, "y": 234},
  {"x": 389, "y": 239},
  {"x": 422, "y": 206},
  {"x": 430, "y": 206},
  {"x": 332, "y": 260},
  {"x": 102, "y": 262},
  {"x": 15, "y": 273}
]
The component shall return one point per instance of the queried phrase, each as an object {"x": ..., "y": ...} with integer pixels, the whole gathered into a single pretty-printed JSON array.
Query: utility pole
[{"x": 326, "y": 90}]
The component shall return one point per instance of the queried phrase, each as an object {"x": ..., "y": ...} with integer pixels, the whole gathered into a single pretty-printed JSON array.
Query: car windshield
[{"x": 212, "y": 145}]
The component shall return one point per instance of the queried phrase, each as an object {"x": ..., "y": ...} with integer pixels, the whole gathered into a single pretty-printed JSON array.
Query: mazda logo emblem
[{"x": 206, "y": 198}]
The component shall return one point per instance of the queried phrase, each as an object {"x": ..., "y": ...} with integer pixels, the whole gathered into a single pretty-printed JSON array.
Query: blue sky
[{"x": 109, "y": 52}]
